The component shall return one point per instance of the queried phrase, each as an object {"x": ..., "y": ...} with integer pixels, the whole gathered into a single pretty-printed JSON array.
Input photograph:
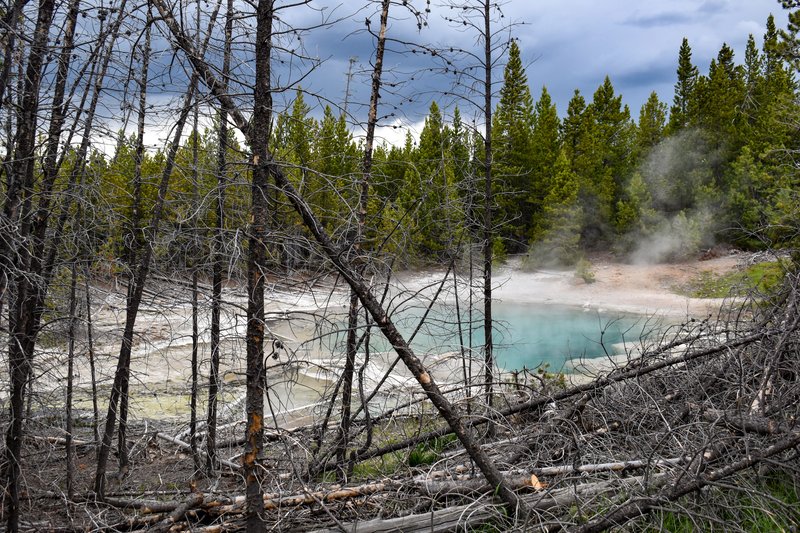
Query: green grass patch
[
  {"x": 377, "y": 467},
  {"x": 762, "y": 277},
  {"x": 770, "y": 506},
  {"x": 428, "y": 453}
]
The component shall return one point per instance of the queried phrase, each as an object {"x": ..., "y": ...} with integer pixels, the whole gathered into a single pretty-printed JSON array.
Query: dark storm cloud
[
  {"x": 647, "y": 77},
  {"x": 565, "y": 46},
  {"x": 663, "y": 19}
]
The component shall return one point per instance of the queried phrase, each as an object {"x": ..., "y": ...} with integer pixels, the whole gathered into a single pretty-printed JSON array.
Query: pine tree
[
  {"x": 636, "y": 217},
  {"x": 613, "y": 145},
  {"x": 679, "y": 116},
  {"x": 561, "y": 222},
  {"x": 574, "y": 127},
  {"x": 460, "y": 144},
  {"x": 545, "y": 149},
  {"x": 753, "y": 67},
  {"x": 429, "y": 192},
  {"x": 291, "y": 138},
  {"x": 652, "y": 123},
  {"x": 789, "y": 44},
  {"x": 331, "y": 186},
  {"x": 773, "y": 60},
  {"x": 748, "y": 198},
  {"x": 512, "y": 128},
  {"x": 721, "y": 102},
  {"x": 775, "y": 99},
  {"x": 300, "y": 130},
  {"x": 391, "y": 163},
  {"x": 579, "y": 144}
]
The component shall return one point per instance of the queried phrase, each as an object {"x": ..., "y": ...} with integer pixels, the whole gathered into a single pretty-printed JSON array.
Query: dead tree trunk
[
  {"x": 194, "y": 251},
  {"x": 10, "y": 21},
  {"x": 366, "y": 174},
  {"x": 122, "y": 373},
  {"x": 257, "y": 259},
  {"x": 488, "y": 231},
  {"x": 73, "y": 319},
  {"x": 21, "y": 179},
  {"x": 90, "y": 349},
  {"x": 134, "y": 242},
  {"x": 219, "y": 259},
  {"x": 42, "y": 260}
]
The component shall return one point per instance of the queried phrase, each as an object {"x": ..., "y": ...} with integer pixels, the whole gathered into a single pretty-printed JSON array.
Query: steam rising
[{"x": 683, "y": 211}]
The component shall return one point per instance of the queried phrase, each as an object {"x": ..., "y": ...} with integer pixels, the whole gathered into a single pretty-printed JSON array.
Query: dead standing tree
[
  {"x": 474, "y": 84},
  {"x": 366, "y": 174},
  {"x": 263, "y": 167},
  {"x": 218, "y": 266},
  {"x": 26, "y": 249},
  {"x": 20, "y": 180}
]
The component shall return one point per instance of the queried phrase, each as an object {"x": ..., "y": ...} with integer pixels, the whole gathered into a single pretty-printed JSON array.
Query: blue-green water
[{"x": 525, "y": 335}]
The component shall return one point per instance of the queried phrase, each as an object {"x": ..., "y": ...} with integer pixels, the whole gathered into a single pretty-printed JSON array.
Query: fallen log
[
  {"x": 451, "y": 518},
  {"x": 471, "y": 485},
  {"x": 274, "y": 501},
  {"x": 746, "y": 423},
  {"x": 177, "y": 514},
  {"x": 59, "y": 440},
  {"x": 135, "y": 523}
]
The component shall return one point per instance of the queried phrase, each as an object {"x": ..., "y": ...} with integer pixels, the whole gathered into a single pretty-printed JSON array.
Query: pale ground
[
  {"x": 641, "y": 289},
  {"x": 162, "y": 351}
]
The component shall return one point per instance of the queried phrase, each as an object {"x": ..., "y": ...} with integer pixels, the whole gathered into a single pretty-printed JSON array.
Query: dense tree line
[{"x": 709, "y": 168}]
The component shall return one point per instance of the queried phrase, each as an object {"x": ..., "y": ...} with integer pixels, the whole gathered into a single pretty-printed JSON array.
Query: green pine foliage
[
  {"x": 429, "y": 197},
  {"x": 652, "y": 124},
  {"x": 545, "y": 152},
  {"x": 560, "y": 226},
  {"x": 680, "y": 111},
  {"x": 513, "y": 156}
]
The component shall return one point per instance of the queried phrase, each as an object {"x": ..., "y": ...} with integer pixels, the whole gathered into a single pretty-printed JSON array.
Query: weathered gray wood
[{"x": 451, "y": 518}]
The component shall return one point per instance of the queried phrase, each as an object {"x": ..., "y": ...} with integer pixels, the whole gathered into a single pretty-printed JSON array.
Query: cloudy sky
[
  {"x": 565, "y": 46},
  {"x": 634, "y": 42}
]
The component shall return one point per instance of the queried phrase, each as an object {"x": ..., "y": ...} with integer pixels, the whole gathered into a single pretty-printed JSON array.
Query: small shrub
[
  {"x": 427, "y": 453},
  {"x": 583, "y": 270}
]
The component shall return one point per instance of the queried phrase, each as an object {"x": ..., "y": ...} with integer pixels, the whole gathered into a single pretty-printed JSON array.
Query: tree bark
[
  {"x": 257, "y": 260},
  {"x": 219, "y": 259},
  {"x": 194, "y": 264},
  {"x": 135, "y": 241},
  {"x": 488, "y": 230},
  {"x": 13, "y": 252}
]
